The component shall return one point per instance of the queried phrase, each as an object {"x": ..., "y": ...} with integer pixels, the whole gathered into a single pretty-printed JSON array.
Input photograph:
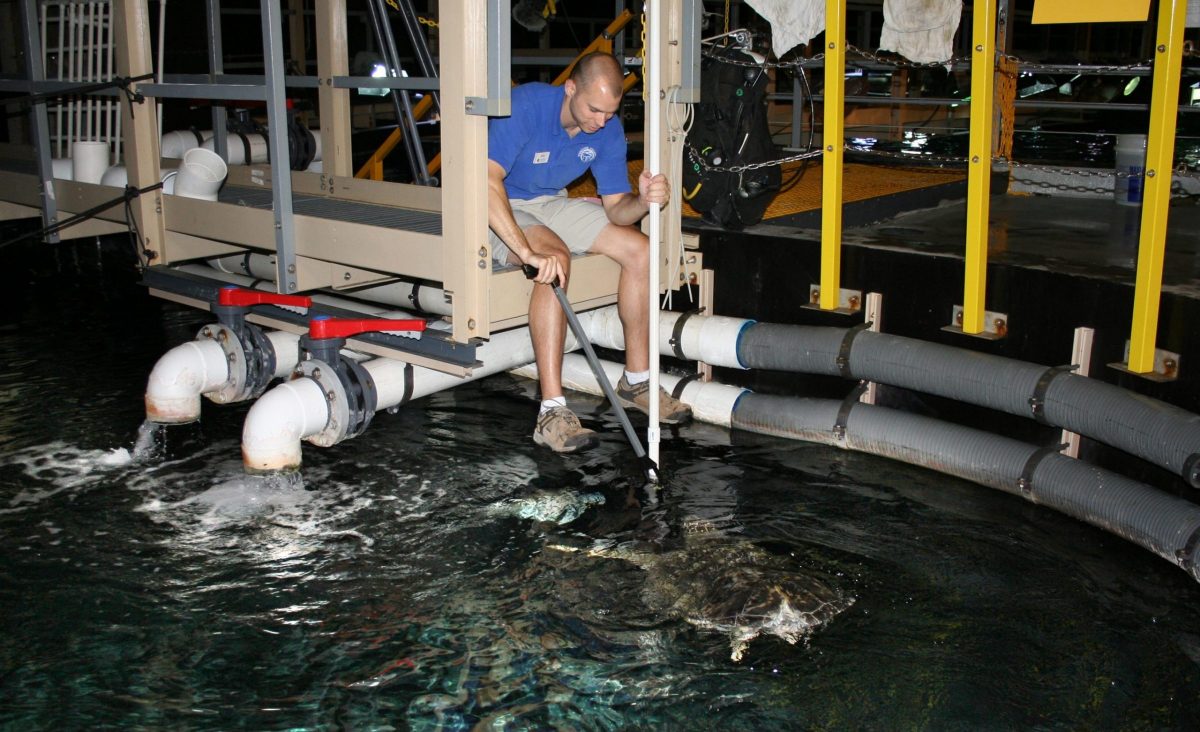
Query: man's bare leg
[
  {"x": 547, "y": 323},
  {"x": 630, "y": 248}
]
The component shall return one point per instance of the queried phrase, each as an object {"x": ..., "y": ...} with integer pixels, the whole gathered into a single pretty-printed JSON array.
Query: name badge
[{"x": 542, "y": 157}]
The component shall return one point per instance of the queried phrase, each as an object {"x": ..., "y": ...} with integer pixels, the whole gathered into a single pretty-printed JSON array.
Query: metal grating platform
[{"x": 388, "y": 217}]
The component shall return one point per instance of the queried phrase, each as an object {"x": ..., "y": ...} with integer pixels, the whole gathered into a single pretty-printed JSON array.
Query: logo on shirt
[
  {"x": 541, "y": 157},
  {"x": 587, "y": 154}
]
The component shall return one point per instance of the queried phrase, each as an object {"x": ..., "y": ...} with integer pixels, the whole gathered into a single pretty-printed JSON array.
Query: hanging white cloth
[
  {"x": 792, "y": 21},
  {"x": 920, "y": 30}
]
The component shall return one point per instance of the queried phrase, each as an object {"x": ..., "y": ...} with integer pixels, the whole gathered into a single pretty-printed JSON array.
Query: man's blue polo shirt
[{"x": 540, "y": 159}]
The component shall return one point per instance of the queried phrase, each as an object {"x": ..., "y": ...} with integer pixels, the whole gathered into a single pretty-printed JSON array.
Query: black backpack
[{"x": 730, "y": 129}]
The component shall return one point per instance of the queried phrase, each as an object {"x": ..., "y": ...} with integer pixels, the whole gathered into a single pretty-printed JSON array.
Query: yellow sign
[{"x": 1090, "y": 11}]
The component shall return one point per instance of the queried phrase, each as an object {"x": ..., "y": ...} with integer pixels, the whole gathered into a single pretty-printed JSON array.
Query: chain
[
  {"x": 905, "y": 63},
  {"x": 1066, "y": 68},
  {"x": 645, "y": 62},
  {"x": 698, "y": 163},
  {"x": 423, "y": 21},
  {"x": 1180, "y": 171}
]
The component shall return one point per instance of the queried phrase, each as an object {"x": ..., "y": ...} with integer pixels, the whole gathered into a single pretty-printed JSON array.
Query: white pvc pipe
[
  {"x": 236, "y": 149},
  {"x": 278, "y": 421},
  {"x": 180, "y": 377},
  {"x": 262, "y": 266},
  {"x": 202, "y": 174},
  {"x": 274, "y": 427},
  {"x": 175, "y": 143},
  {"x": 710, "y": 402},
  {"x": 199, "y": 367}
]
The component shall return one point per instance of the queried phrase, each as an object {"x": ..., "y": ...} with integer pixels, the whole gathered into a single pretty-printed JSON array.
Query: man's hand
[
  {"x": 549, "y": 270},
  {"x": 653, "y": 189}
]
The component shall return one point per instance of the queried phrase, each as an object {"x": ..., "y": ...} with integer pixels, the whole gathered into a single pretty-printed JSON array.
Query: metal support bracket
[
  {"x": 1166, "y": 366},
  {"x": 38, "y": 117},
  {"x": 498, "y": 102},
  {"x": 995, "y": 325},
  {"x": 281, "y": 174},
  {"x": 849, "y": 301}
]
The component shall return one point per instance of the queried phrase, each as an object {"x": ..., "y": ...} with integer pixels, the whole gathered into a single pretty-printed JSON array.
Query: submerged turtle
[
  {"x": 729, "y": 585},
  {"x": 560, "y": 507}
]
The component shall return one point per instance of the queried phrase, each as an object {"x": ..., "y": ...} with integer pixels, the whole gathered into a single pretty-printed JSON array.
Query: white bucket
[
  {"x": 89, "y": 160},
  {"x": 63, "y": 168},
  {"x": 1129, "y": 183},
  {"x": 201, "y": 175}
]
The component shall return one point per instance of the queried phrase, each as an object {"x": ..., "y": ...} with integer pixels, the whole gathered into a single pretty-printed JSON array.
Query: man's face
[{"x": 592, "y": 105}]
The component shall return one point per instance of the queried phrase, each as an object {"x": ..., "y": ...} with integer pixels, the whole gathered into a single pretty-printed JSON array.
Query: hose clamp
[
  {"x": 1025, "y": 482},
  {"x": 680, "y": 385},
  {"x": 676, "y": 340},
  {"x": 848, "y": 404},
  {"x": 843, "y": 357},
  {"x": 1037, "y": 402},
  {"x": 1187, "y": 555},
  {"x": 1191, "y": 470}
]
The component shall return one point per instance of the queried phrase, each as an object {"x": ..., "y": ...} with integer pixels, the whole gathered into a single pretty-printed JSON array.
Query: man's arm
[
  {"x": 501, "y": 221},
  {"x": 625, "y": 209}
]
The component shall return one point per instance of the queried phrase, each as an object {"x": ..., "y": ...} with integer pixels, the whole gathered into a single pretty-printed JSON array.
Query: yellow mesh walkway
[{"x": 860, "y": 183}]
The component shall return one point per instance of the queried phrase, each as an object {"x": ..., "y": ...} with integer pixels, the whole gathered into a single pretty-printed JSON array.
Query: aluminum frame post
[
  {"x": 979, "y": 169},
  {"x": 1160, "y": 153},
  {"x": 216, "y": 67},
  {"x": 498, "y": 102},
  {"x": 39, "y": 120},
  {"x": 286, "y": 276},
  {"x": 831, "y": 161},
  {"x": 334, "y": 103}
]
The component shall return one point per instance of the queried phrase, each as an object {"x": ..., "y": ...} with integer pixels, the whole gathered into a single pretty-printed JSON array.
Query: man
[{"x": 555, "y": 135}]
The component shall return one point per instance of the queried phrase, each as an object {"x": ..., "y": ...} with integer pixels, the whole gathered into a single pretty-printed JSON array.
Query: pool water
[{"x": 394, "y": 584}]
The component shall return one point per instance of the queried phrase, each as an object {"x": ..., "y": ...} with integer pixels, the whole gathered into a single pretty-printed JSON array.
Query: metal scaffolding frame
[{"x": 314, "y": 248}]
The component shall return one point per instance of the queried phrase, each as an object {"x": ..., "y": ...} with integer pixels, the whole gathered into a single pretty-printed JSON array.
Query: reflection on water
[{"x": 414, "y": 578}]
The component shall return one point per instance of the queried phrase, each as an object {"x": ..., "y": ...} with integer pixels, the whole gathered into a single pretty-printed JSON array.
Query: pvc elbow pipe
[
  {"x": 180, "y": 377},
  {"x": 277, "y": 423}
]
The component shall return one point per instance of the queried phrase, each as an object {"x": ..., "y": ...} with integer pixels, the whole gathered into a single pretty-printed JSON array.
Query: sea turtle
[
  {"x": 560, "y": 507},
  {"x": 727, "y": 584}
]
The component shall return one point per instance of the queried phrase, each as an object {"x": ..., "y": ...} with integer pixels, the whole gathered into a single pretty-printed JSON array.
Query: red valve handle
[
  {"x": 245, "y": 298},
  {"x": 346, "y": 327}
]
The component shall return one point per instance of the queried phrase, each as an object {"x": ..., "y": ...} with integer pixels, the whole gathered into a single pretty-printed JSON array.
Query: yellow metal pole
[
  {"x": 1160, "y": 152},
  {"x": 831, "y": 162},
  {"x": 979, "y": 170}
]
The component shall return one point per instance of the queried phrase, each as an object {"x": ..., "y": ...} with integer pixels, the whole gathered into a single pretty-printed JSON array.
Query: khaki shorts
[{"x": 577, "y": 221}]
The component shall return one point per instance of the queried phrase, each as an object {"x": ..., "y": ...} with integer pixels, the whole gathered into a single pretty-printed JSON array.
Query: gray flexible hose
[
  {"x": 1166, "y": 525},
  {"x": 1153, "y": 430}
]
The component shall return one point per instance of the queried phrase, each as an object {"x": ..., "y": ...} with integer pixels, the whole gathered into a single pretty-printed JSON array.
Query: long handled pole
[{"x": 594, "y": 361}]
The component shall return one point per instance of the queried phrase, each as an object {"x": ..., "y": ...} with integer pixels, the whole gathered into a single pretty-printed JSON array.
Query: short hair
[{"x": 597, "y": 66}]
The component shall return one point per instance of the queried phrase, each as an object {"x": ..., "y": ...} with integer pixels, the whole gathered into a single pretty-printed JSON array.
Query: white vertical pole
[
  {"x": 1081, "y": 355},
  {"x": 89, "y": 74},
  {"x": 654, "y": 142}
]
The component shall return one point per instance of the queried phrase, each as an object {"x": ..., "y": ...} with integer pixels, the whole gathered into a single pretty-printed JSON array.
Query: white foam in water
[{"x": 57, "y": 467}]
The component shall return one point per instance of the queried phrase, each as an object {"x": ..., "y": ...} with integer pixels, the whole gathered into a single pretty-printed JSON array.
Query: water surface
[{"x": 382, "y": 589}]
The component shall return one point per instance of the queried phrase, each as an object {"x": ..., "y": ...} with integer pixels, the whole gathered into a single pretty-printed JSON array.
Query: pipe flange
[
  {"x": 327, "y": 378},
  {"x": 251, "y": 359},
  {"x": 234, "y": 388}
]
